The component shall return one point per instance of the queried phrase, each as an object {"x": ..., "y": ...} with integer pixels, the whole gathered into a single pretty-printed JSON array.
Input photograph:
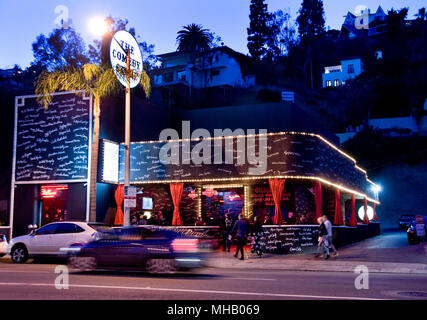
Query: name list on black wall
[{"x": 53, "y": 143}]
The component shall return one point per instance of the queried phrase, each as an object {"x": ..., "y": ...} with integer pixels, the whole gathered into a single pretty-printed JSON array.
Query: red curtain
[
  {"x": 277, "y": 186},
  {"x": 176, "y": 192},
  {"x": 365, "y": 217},
  {"x": 353, "y": 219},
  {"x": 375, "y": 213},
  {"x": 119, "y": 195},
  {"x": 318, "y": 199},
  {"x": 338, "y": 220}
]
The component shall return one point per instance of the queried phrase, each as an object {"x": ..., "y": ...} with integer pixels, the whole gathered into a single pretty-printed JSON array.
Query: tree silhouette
[
  {"x": 258, "y": 30},
  {"x": 193, "y": 38}
]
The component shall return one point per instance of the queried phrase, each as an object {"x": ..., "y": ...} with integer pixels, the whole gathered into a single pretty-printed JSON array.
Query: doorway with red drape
[
  {"x": 119, "y": 195},
  {"x": 176, "y": 193},
  {"x": 338, "y": 220},
  {"x": 353, "y": 218},
  {"x": 318, "y": 199},
  {"x": 375, "y": 213},
  {"x": 277, "y": 186},
  {"x": 365, "y": 216}
]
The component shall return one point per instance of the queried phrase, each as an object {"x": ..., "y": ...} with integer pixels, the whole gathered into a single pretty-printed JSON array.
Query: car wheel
[
  {"x": 161, "y": 266},
  {"x": 19, "y": 254},
  {"x": 83, "y": 263}
]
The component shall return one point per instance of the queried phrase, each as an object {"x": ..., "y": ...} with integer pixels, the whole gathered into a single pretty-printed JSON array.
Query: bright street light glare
[{"x": 98, "y": 26}]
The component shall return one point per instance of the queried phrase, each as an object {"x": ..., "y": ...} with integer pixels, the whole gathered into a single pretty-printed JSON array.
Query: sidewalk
[{"x": 387, "y": 253}]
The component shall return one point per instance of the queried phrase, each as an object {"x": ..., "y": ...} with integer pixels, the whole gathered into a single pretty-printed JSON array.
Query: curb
[{"x": 326, "y": 266}]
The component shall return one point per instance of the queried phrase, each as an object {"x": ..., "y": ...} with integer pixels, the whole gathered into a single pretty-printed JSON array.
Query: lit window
[
  {"x": 328, "y": 83},
  {"x": 336, "y": 83}
]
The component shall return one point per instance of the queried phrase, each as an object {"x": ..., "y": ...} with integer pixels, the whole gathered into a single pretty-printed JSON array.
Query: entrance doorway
[
  {"x": 53, "y": 206},
  {"x": 218, "y": 201}
]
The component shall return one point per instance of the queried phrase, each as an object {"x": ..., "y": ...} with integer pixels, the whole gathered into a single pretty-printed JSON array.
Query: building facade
[{"x": 335, "y": 76}]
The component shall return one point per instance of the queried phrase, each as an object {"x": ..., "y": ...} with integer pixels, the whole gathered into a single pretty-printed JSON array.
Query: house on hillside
[
  {"x": 217, "y": 67},
  {"x": 335, "y": 76},
  {"x": 366, "y": 24}
]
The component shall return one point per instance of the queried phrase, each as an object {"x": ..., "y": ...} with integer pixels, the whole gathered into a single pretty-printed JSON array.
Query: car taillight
[{"x": 184, "y": 245}]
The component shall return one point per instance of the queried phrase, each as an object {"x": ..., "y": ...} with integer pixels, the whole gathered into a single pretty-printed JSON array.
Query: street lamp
[{"x": 98, "y": 26}]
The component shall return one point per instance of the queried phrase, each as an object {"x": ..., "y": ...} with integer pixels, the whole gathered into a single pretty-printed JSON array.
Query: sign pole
[
  {"x": 126, "y": 219},
  {"x": 124, "y": 44}
]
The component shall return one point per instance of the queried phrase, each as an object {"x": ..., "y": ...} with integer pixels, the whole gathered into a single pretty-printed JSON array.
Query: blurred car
[
  {"x": 49, "y": 239},
  {"x": 3, "y": 245},
  {"x": 155, "y": 250},
  {"x": 405, "y": 221},
  {"x": 413, "y": 238}
]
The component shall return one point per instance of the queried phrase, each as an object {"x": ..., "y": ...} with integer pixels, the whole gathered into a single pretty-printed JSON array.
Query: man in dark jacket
[{"x": 241, "y": 229}]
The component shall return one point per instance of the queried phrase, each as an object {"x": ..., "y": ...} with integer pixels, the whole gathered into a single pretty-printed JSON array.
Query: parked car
[
  {"x": 140, "y": 247},
  {"x": 413, "y": 238},
  {"x": 3, "y": 245},
  {"x": 405, "y": 221},
  {"x": 49, "y": 239}
]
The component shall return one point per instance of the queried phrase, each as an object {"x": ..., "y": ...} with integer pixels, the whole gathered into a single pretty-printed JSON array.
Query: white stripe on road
[
  {"x": 282, "y": 295},
  {"x": 256, "y": 279}
]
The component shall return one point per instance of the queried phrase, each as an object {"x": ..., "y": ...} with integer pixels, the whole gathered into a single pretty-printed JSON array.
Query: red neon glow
[
  {"x": 233, "y": 197},
  {"x": 184, "y": 245},
  {"x": 50, "y": 192},
  {"x": 210, "y": 192},
  {"x": 193, "y": 195}
]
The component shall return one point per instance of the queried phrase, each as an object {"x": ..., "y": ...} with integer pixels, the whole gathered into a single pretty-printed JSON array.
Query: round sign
[
  {"x": 361, "y": 212},
  {"x": 120, "y": 44}
]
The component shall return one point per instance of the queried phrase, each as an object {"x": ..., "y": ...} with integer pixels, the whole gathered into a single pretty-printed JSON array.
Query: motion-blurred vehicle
[
  {"x": 405, "y": 221},
  {"x": 413, "y": 237},
  {"x": 3, "y": 245},
  {"x": 155, "y": 250},
  {"x": 49, "y": 239}
]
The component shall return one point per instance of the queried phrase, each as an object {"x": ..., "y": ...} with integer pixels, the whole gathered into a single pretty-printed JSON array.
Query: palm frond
[
  {"x": 145, "y": 82},
  {"x": 91, "y": 71},
  {"x": 106, "y": 83}
]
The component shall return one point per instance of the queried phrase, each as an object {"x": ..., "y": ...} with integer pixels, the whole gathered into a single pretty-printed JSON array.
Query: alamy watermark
[
  {"x": 62, "y": 21},
  {"x": 217, "y": 150},
  {"x": 362, "y": 17},
  {"x": 362, "y": 280},
  {"x": 62, "y": 280}
]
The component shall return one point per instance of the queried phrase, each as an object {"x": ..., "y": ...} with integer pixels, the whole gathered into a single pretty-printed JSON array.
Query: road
[{"x": 37, "y": 281}]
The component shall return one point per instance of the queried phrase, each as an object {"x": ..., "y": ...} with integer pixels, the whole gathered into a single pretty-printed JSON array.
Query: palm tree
[
  {"x": 100, "y": 82},
  {"x": 194, "y": 38}
]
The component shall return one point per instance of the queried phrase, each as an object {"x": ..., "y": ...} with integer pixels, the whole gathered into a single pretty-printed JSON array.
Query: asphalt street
[{"x": 37, "y": 281}]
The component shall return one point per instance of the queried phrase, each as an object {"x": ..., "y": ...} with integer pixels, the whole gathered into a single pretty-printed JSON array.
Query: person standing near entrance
[
  {"x": 257, "y": 234},
  {"x": 328, "y": 226},
  {"x": 323, "y": 239},
  {"x": 228, "y": 223},
  {"x": 241, "y": 229}
]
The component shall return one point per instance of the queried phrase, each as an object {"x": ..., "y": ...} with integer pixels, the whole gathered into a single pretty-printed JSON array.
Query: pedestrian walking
[
  {"x": 228, "y": 224},
  {"x": 257, "y": 234},
  {"x": 323, "y": 239},
  {"x": 241, "y": 229},
  {"x": 328, "y": 226}
]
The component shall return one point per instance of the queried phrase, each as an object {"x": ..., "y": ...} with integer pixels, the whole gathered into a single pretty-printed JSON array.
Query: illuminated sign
[
  {"x": 110, "y": 161},
  {"x": 124, "y": 40},
  {"x": 147, "y": 203},
  {"x": 50, "y": 192},
  {"x": 361, "y": 212}
]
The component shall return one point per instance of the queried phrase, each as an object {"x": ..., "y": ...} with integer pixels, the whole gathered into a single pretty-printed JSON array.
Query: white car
[
  {"x": 48, "y": 240},
  {"x": 3, "y": 245}
]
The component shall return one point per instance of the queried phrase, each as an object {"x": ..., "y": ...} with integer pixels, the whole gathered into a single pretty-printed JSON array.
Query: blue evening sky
[{"x": 157, "y": 21}]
